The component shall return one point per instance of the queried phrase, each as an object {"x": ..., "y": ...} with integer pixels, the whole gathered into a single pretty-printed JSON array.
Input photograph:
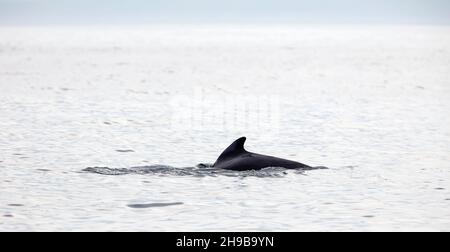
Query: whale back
[
  {"x": 235, "y": 157},
  {"x": 235, "y": 149}
]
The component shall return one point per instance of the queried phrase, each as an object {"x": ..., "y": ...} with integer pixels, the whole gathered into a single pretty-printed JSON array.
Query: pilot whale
[{"x": 235, "y": 157}]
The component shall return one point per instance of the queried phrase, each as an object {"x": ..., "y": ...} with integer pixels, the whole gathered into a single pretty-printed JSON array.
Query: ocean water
[{"x": 104, "y": 128}]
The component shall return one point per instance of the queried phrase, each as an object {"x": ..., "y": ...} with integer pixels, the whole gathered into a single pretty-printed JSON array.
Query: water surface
[{"x": 370, "y": 103}]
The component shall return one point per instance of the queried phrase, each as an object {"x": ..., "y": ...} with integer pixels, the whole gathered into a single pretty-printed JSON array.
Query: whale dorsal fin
[{"x": 235, "y": 148}]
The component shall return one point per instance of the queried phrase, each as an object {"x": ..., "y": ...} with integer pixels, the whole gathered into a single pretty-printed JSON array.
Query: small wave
[
  {"x": 201, "y": 170},
  {"x": 148, "y": 205}
]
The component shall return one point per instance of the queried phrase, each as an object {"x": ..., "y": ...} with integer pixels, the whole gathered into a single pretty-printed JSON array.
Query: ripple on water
[
  {"x": 16, "y": 205},
  {"x": 148, "y": 205},
  {"x": 43, "y": 170},
  {"x": 124, "y": 151}
]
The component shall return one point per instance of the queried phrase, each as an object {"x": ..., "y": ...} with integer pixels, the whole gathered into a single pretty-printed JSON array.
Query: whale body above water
[{"x": 235, "y": 157}]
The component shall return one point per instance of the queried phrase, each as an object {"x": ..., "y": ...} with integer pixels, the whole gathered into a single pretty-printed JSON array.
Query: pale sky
[{"x": 224, "y": 11}]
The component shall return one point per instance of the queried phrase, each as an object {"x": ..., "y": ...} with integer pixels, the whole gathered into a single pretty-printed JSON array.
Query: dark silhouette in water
[{"x": 235, "y": 157}]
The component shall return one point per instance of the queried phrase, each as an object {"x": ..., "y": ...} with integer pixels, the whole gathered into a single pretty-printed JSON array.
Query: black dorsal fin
[{"x": 235, "y": 148}]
